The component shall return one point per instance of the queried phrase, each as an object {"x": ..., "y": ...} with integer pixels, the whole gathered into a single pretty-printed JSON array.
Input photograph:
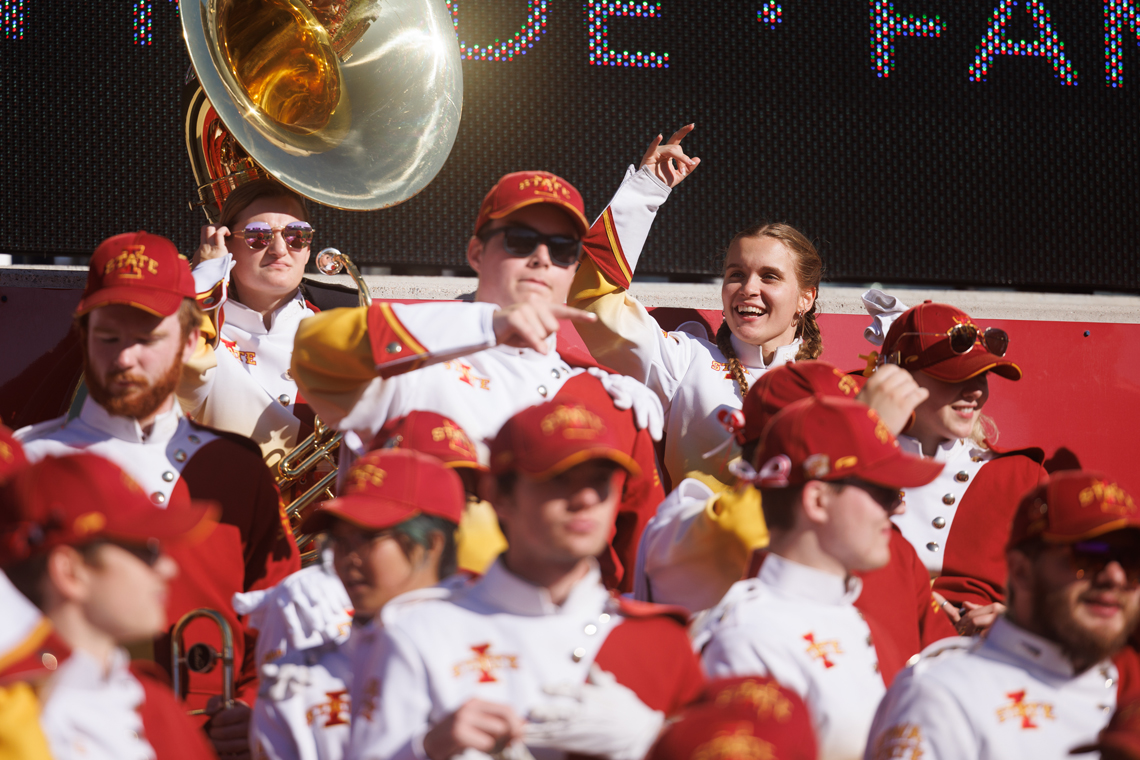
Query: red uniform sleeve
[
  {"x": 974, "y": 567},
  {"x": 652, "y": 656},
  {"x": 641, "y": 495},
  {"x": 169, "y": 730}
]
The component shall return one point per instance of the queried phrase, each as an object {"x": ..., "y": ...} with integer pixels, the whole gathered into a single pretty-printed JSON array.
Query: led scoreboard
[{"x": 959, "y": 142}]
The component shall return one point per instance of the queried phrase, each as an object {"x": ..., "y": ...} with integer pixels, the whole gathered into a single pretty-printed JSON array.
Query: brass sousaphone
[{"x": 353, "y": 104}]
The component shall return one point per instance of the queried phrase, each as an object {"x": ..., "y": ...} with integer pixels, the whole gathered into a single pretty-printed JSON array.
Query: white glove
[
  {"x": 600, "y": 718},
  {"x": 884, "y": 310},
  {"x": 628, "y": 393},
  {"x": 209, "y": 273},
  {"x": 281, "y": 681}
]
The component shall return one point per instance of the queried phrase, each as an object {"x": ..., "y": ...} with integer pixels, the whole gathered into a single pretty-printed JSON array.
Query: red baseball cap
[
  {"x": 787, "y": 384},
  {"x": 820, "y": 438},
  {"x": 919, "y": 340},
  {"x": 740, "y": 719},
  {"x": 1073, "y": 505},
  {"x": 12, "y": 456},
  {"x": 137, "y": 269},
  {"x": 75, "y": 499},
  {"x": 548, "y": 439},
  {"x": 1120, "y": 739},
  {"x": 429, "y": 433},
  {"x": 387, "y": 486},
  {"x": 518, "y": 189}
]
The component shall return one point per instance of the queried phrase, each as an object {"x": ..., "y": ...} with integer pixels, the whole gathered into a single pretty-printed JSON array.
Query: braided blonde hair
[{"x": 809, "y": 273}]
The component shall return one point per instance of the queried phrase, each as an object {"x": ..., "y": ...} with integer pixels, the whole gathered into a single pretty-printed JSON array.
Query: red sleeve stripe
[{"x": 604, "y": 248}]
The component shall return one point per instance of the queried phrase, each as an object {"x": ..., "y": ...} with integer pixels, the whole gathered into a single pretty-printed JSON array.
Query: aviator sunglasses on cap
[
  {"x": 963, "y": 338},
  {"x": 258, "y": 235},
  {"x": 521, "y": 242}
]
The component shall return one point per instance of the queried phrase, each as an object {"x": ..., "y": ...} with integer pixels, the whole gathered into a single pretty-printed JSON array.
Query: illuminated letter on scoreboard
[
  {"x": 886, "y": 25},
  {"x": 1047, "y": 45},
  {"x": 504, "y": 50},
  {"x": 1119, "y": 20},
  {"x": 597, "y": 14}
]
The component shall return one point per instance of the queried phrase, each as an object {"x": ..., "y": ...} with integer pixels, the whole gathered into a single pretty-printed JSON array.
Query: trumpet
[{"x": 201, "y": 657}]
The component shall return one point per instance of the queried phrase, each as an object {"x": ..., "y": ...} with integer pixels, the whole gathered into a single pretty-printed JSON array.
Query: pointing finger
[
  {"x": 680, "y": 134},
  {"x": 561, "y": 311}
]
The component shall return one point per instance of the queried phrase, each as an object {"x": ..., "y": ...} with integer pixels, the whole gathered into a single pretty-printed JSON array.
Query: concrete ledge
[{"x": 834, "y": 299}]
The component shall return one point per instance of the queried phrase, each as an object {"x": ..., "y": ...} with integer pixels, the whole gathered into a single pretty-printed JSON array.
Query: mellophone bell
[{"x": 353, "y": 105}]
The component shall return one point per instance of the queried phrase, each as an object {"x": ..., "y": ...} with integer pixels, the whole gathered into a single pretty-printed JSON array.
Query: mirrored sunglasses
[{"x": 258, "y": 235}]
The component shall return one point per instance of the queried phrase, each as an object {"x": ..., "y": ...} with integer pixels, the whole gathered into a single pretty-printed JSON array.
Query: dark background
[{"x": 924, "y": 177}]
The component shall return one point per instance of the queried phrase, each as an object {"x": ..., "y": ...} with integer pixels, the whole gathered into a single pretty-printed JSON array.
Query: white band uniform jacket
[
  {"x": 501, "y": 639},
  {"x": 248, "y": 549},
  {"x": 1010, "y": 695},
  {"x": 243, "y": 384},
  {"x": 958, "y": 524},
  {"x": 797, "y": 624},
  {"x": 690, "y": 375}
]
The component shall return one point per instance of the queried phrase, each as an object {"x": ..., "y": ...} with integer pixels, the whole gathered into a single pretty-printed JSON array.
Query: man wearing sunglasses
[
  {"x": 82, "y": 542},
  {"x": 138, "y": 321},
  {"x": 829, "y": 472},
  {"x": 479, "y": 363},
  {"x": 1043, "y": 680}
]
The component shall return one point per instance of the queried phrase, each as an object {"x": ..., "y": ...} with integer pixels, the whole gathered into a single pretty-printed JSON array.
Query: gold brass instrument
[{"x": 201, "y": 657}]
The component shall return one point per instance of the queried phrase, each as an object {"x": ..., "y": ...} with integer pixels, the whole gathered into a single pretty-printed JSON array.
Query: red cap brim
[
  {"x": 578, "y": 216},
  {"x": 620, "y": 458},
  {"x": 368, "y": 512},
  {"x": 161, "y": 303},
  {"x": 900, "y": 471},
  {"x": 176, "y": 524},
  {"x": 972, "y": 364}
]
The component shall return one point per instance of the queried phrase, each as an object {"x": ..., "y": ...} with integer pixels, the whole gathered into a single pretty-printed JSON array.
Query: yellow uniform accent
[
  {"x": 332, "y": 359},
  {"x": 479, "y": 540},
  {"x": 193, "y": 379},
  {"x": 20, "y": 734}
]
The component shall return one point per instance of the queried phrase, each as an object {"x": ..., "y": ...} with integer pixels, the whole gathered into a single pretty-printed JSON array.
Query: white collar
[
  {"x": 502, "y": 589},
  {"x": 1007, "y": 636},
  {"x": 789, "y": 578},
  {"x": 751, "y": 356},
  {"x": 244, "y": 318},
  {"x": 947, "y": 451},
  {"x": 128, "y": 428}
]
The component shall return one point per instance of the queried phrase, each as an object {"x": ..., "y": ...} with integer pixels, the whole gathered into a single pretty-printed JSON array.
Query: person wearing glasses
[
  {"x": 248, "y": 272},
  {"x": 829, "y": 473},
  {"x": 479, "y": 363},
  {"x": 1045, "y": 679},
  {"x": 957, "y": 523},
  {"x": 84, "y": 546}
]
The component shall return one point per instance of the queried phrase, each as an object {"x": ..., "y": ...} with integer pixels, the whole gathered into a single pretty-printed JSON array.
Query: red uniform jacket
[
  {"x": 973, "y": 564},
  {"x": 251, "y": 548}
]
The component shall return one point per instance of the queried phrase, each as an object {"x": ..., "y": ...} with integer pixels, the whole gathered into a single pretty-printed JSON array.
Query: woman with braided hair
[{"x": 771, "y": 278}]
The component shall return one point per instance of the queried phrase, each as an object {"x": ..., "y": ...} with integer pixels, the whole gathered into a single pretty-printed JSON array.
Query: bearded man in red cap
[
  {"x": 85, "y": 545},
  {"x": 1042, "y": 682},
  {"x": 479, "y": 363},
  {"x": 829, "y": 472},
  {"x": 138, "y": 322},
  {"x": 537, "y": 651}
]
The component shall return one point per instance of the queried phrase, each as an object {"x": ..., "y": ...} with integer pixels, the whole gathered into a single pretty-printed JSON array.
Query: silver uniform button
[
  {"x": 949, "y": 499},
  {"x": 591, "y": 629},
  {"x": 193, "y": 439},
  {"x": 913, "y": 659},
  {"x": 393, "y": 348},
  {"x": 49, "y": 660},
  {"x": 158, "y": 497},
  {"x": 179, "y": 456},
  {"x": 938, "y": 522},
  {"x": 962, "y": 477},
  {"x": 542, "y": 391},
  {"x": 932, "y": 546},
  {"x": 604, "y": 617},
  {"x": 168, "y": 476},
  {"x": 284, "y": 399},
  {"x": 555, "y": 374},
  {"x": 578, "y": 654}
]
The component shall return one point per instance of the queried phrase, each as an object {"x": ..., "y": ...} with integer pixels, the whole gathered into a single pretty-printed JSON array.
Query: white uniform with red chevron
[
  {"x": 689, "y": 374},
  {"x": 1011, "y": 694}
]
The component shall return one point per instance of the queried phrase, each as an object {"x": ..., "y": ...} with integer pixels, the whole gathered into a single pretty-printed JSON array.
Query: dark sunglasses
[
  {"x": 1090, "y": 558},
  {"x": 521, "y": 241},
  {"x": 258, "y": 235},
  {"x": 964, "y": 337},
  {"x": 148, "y": 553},
  {"x": 356, "y": 542},
  {"x": 887, "y": 498}
]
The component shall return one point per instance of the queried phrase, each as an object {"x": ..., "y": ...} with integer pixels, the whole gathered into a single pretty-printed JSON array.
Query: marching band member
[
  {"x": 829, "y": 471},
  {"x": 138, "y": 321},
  {"x": 479, "y": 363},
  {"x": 1042, "y": 681},
  {"x": 700, "y": 541},
  {"x": 249, "y": 269},
  {"x": 391, "y": 532},
  {"x": 538, "y": 637},
  {"x": 771, "y": 280},
  {"x": 84, "y": 544},
  {"x": 957, "y": 523}
]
